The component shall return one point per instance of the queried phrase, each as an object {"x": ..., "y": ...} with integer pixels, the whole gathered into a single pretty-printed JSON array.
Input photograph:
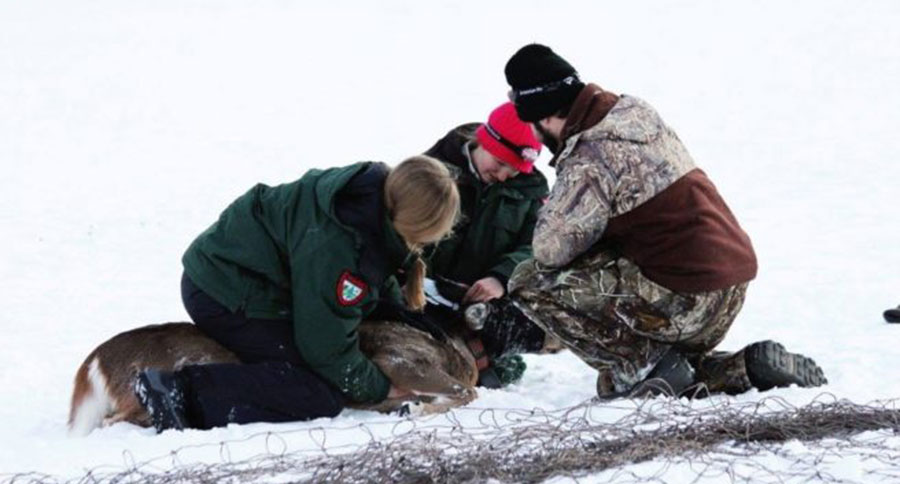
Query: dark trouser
[{"x": 271, "y": 385}]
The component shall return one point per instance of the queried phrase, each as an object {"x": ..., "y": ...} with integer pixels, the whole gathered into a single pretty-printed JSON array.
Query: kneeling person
[
  {"x": 639, "y": 266},
  {"x": 283, "y": 279},
  {"x": 500, "y": 194}
]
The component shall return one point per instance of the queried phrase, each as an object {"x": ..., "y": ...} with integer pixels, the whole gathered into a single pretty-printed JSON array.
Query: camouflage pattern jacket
[{"x": 628, "y": 184}]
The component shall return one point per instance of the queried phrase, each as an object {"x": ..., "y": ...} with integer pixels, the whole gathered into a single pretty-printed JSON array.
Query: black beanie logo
[
  {"x": 542, "y": 82},
  {"x": 550, "y": 86}
]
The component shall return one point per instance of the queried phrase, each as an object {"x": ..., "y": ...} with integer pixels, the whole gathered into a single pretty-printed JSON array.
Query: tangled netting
[{"x": 720, "y": 440}]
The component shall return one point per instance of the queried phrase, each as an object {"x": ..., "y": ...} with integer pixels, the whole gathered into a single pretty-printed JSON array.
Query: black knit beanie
[{"x": 542, "y": 82}]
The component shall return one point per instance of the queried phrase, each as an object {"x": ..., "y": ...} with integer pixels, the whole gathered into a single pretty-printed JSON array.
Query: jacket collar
[
  {"x": 357, "y": 204},
  {"x": 589, "y": 108},
  {"x": 467, "y": 153}
]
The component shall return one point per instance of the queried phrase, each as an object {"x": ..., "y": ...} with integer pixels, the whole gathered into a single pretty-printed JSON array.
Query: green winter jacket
[
  {"x": 282, "y": 253},
  {"x": 498, "y": 220}
]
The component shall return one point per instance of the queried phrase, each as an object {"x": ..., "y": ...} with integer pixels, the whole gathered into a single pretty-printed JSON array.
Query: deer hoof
[{"x": 411, "y": 409}]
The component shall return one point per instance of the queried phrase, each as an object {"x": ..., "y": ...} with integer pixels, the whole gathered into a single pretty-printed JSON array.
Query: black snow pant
[{"x": 272, "y": 384}]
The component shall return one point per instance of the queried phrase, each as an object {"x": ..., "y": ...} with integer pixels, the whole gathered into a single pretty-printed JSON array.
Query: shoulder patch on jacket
[{"x": 350, "y": 289}]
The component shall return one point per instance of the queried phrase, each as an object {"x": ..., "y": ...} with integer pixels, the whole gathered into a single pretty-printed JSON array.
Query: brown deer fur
[{"x": 441, "y": 375}]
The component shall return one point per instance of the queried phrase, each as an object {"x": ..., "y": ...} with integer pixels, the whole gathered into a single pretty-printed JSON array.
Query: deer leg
[
  {"x": 392, "y": 405},
  {"x": 128, "y": 410},
  {"x": 137, "y": 418},
  {"x": 429, "y": 381},
  {"x": 425, "y": 408},
  {"x": 434, "y": 391},
  {"x": 421, "y": 405}
]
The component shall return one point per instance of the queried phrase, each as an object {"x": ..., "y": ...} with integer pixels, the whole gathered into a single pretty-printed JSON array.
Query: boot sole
[
  {"x": 892, "y": 315},
  {"x": 770, "y": 365}
]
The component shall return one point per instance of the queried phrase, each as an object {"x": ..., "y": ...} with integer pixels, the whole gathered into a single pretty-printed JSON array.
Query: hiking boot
[
  {"x": 671, "y": 376},
  {"x": 161, "y": 393},
  {"x": 770, "y": 365},
  {"x": 892, "y": 315}
]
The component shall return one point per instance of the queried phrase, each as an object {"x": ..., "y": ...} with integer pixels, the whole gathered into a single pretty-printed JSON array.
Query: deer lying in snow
[{"x": 441, "y": 374}]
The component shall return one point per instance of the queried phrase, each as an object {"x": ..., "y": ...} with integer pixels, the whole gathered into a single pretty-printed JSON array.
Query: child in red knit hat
[
  {"x": 500, "y": 194},
  {"x": 509, "y": 139}
]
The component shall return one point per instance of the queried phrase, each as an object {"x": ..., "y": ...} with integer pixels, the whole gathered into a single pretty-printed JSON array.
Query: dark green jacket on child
[
  {"x": 498, "y": 220},
  {"x": 319, "y": 252}
]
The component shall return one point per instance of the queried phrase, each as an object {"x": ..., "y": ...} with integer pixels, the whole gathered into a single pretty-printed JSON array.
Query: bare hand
[
  {"x": 484, "y": 290},
  {"x": 397, "y": 392}
]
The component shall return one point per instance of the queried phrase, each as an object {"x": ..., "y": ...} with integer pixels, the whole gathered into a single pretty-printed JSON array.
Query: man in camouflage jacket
[{"x": 639, "y": 266}]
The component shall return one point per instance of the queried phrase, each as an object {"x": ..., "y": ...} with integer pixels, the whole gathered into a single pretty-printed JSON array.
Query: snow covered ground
[{"x": 126, "y": 127}]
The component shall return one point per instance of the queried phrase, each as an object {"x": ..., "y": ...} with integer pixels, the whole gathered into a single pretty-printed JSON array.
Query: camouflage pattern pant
[{"x": 621, "y": 323}]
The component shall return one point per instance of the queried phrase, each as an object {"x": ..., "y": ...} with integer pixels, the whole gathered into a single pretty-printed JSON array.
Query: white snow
[{"x": 127, "y": 126}]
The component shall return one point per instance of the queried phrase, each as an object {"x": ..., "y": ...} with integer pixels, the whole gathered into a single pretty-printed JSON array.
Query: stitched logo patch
[{"x": 350, "y": 289}]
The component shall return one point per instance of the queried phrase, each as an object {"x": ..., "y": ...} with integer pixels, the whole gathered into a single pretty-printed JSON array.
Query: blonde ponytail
[
  {"x": 414, "y": 289},
  {"x": 423, "y": 202}
]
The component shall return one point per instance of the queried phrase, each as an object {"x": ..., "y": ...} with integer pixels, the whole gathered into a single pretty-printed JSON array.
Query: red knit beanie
[{"x": 509, "y": 138}]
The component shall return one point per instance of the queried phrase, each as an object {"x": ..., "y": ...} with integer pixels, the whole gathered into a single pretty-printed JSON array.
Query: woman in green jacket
[{"x": 283, "y": 279}]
